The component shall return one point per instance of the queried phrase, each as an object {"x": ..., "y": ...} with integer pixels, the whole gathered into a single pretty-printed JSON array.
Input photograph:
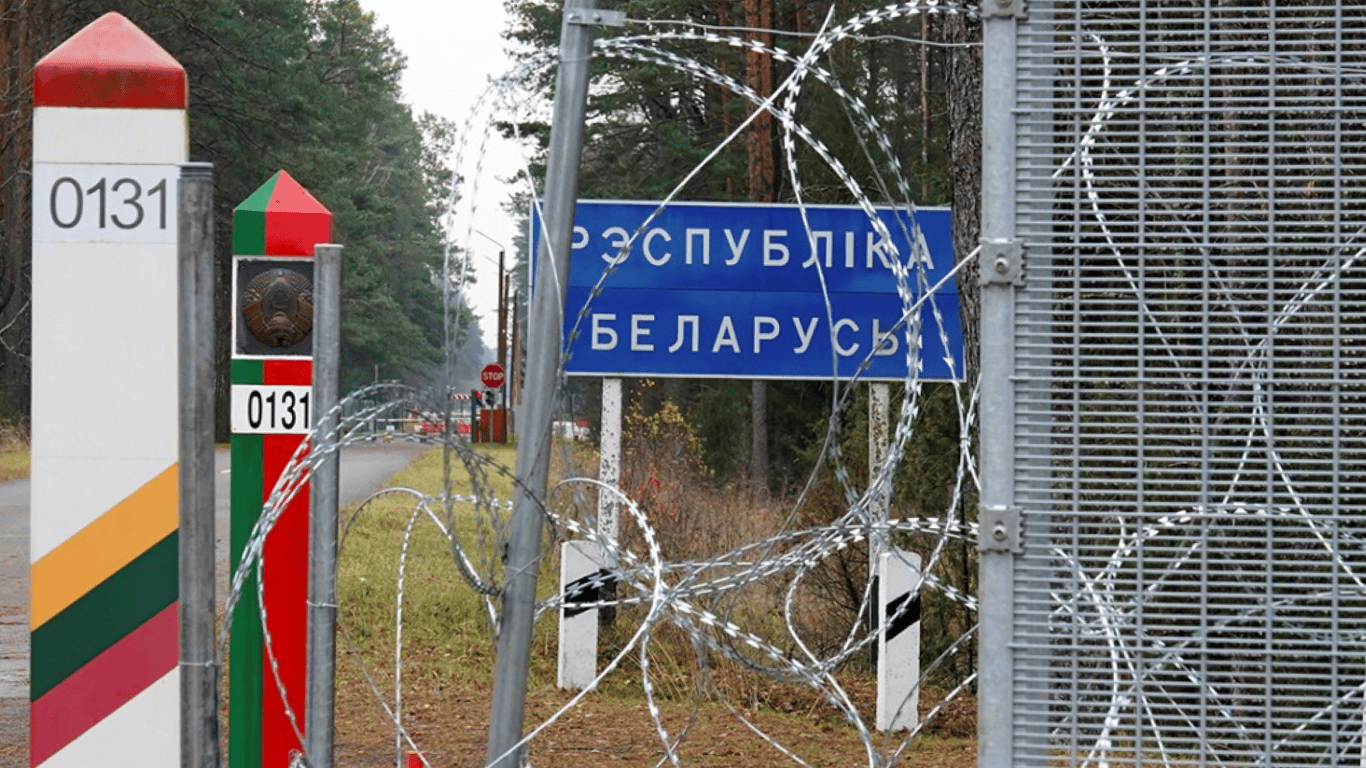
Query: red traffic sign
[{"x": 492, "y": 375}]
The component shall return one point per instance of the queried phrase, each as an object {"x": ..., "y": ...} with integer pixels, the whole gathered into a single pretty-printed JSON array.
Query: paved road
[{"x": 364, "y": 470}]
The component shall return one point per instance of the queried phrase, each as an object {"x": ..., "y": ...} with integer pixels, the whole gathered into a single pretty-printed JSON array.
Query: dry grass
[
  {"x": 14, "y": 452},
  {"x": 448, "y": 650}
]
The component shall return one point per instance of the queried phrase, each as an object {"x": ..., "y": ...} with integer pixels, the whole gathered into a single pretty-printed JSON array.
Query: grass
[
  {"x": 445, "y": 619},
  {"x": 14, "y": 451},
  {"x": 448, "y": 651},
  {"x": 14, "y": 464}
]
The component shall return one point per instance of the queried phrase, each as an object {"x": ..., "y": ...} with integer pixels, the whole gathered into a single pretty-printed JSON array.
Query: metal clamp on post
[
  {"x": 598, "y": 18},
  {"x": 1001, "y": 262},
  {"x": 1003, "y": 9},
  {"x": 1000, "y": 530}
]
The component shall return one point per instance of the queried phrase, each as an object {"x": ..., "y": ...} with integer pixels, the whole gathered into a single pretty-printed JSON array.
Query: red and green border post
[
  {"x": 109, "y": 136},
  {"x": 277, "y": 225}
]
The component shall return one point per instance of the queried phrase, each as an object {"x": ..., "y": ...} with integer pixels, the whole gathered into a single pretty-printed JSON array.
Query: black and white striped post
[
  {"x": 586, "y": 582},
  {"x": 896, "y": 574},
  {"x": 898, "y": 642}
]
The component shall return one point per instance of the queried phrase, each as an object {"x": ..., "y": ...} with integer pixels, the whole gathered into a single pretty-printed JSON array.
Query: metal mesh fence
[{"x": 1189, "y": 412}]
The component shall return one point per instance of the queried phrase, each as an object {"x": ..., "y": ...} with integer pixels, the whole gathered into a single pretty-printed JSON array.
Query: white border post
[
  {"x": 581, "y": 560},
  {"x": 110, "y": 135}
]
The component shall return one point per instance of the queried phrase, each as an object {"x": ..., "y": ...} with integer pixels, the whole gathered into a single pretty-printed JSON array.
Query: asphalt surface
[{"x": 364, "y": 469}]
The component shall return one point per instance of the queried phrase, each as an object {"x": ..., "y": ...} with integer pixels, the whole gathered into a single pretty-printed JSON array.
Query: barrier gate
[{"x": 1173, "y": 401}]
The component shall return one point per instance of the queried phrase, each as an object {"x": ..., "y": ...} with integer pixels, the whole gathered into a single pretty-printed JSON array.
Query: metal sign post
[
  {"x": 275, "y": 231},
  {"x": 543, "y": 362},
  {"x": 109, "y": 138}
]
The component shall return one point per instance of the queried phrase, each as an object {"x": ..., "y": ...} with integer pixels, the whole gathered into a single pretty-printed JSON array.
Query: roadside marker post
[
  {"x": 274, "y": 233},
  {"x": 109, "y": 136},
  {"x": 898, "y": 640},
  {"x": 585, "y": 583}
]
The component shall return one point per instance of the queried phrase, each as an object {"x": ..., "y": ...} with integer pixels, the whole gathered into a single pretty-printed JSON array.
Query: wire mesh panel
[{"x": 1189, "y": 426}]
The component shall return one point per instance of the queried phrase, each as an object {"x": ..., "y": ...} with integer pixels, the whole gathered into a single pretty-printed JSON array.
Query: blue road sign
[{"x": 761, "y": 291}]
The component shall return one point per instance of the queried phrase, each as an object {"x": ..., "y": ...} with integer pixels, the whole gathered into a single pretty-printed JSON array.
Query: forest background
[
  {"x": 312, "y": 86},
  {"x": 308, "y": 87}
]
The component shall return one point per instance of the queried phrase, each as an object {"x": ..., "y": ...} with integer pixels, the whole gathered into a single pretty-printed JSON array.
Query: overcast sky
[{"x": 454, "y": 47}]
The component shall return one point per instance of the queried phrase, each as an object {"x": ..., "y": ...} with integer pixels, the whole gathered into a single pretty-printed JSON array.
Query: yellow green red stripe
[
  {"x": 102, "y": 548},
  {"x": 105, "y": 615}
]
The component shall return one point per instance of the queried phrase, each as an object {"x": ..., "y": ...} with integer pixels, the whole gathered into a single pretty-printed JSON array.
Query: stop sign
[{"x": 492, "y": 375}]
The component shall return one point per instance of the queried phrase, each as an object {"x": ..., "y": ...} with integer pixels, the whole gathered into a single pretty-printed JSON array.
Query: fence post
[
  {"x": 322, "y": 530},
  {"x": 997, "y": 535},
  {"x": 543, "y": 365},
  {"x": 199, "y": 668}
]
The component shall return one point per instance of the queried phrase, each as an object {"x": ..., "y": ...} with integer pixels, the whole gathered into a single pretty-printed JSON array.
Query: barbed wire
[
  {"x": 672, "y": 593},
  {"x": 685, "y": 594},
  {"x": 733, "y": 29}
]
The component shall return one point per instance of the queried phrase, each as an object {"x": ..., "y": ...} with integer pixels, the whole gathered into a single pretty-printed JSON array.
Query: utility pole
[
  {"x": 543, "y": 364},
  {"x": 514, "y": 357},
  {"x": 503, "y": 285},
  {"x": 502, "y": 312}
]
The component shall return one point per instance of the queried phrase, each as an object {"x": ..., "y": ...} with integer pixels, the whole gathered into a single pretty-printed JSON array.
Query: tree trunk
[
  {"x": 762, "y": 185},
  {"x": 724, "y": 94},
  {"x": 758, "y": 427},
  {"x": 965, "y": 191},
  {"x": 965, "y": 172}
]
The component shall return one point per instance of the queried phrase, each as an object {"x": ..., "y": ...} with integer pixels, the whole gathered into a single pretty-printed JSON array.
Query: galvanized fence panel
[{"x": 1187, "y": 403}]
